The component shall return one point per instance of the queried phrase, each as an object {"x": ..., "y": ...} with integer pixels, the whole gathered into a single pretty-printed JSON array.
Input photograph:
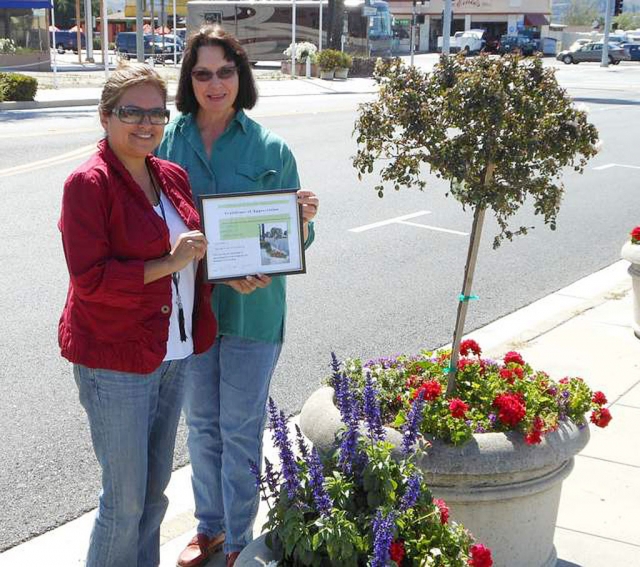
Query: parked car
[
  {"x": 579, "y": 43},
  {"x": 126, "y": 46},
  {"x": 633, "y": 49},
  {"x": 593, "y": 52},
  {"x": 67, "y": 40},
  {"x": 517, "y": 44}
]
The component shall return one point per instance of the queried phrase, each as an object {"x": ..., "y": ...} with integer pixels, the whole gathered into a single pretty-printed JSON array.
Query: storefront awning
[
  {"x": 535, "y": 20},
  {"x": 25, "y": 4}
]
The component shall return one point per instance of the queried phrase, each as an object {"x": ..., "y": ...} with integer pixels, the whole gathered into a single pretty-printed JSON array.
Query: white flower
[{"x": 581, "y": 107}]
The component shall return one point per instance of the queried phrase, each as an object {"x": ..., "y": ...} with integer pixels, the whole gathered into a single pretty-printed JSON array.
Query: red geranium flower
[
  {"x": 599, "y": 398},
  {"x": 564, "y": 380},
  {"x": 601, "y": 417},
  {"x": 444, "y": 510},
  {"x": 464, "y": 362},
  {"x": 511, "y": 409},
  {"x": 431, "y": 390},
  {"x": 635, "y": 235},
  {"x": 480, "y": 556},
  {"x": 396, "y": 551},
  {"x": 519, "y": 371},
  {"x": 533, "y": 437},
  {"x": 514, "y": 357},
  {"x": 469, "y": 345},
  {"x": 507, "y": 374},
  {"x": 458, "y": 408}
]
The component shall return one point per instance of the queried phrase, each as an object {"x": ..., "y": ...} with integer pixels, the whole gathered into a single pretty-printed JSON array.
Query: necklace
[{"x": 175, "y": 276}]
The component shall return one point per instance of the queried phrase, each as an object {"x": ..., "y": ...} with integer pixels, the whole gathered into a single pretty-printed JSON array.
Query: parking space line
[
  {"x": 389, "y": 221},
  {"x": 436, "y": 228},
  {"x": 610, "y": 165},
  {"x": 404, "y": 219}
]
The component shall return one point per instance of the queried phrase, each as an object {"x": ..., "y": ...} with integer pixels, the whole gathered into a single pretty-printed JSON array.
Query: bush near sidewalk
[{"x": 14, "y": 86}]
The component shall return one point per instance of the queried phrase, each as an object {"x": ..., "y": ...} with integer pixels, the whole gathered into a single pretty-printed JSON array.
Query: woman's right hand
[
  {"x": 189, "y": 246},
  {"x": 249, "y": 284}
]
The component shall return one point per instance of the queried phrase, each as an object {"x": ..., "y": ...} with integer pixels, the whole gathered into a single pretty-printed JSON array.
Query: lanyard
[{"x": 175, "y": 276}]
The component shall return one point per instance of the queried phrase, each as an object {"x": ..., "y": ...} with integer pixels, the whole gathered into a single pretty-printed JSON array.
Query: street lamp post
[
  {"x": 446, "y": 27},
  {"x": 413, "y": 30},
  {"x": 88, "y": 29}
]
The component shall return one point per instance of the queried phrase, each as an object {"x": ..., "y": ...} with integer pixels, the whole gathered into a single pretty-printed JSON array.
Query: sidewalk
[
  {"x": 86, "y": 90},
  {"x": 581, "y": 330}
]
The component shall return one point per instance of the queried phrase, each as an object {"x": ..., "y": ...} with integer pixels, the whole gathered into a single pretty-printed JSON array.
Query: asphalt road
[{"x": 380, "y": 291}]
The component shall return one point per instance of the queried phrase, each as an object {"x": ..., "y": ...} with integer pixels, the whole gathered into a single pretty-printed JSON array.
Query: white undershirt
[{"x": 177, "y": 349}]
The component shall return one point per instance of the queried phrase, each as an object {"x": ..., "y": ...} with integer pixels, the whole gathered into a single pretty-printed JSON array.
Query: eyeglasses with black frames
[
  {"x": 136, "y": 115},
  {"x": 205, "y": 75}
]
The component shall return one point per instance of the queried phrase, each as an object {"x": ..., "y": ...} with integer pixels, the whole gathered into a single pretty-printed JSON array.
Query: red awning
[{"x": 535, "y": 20}]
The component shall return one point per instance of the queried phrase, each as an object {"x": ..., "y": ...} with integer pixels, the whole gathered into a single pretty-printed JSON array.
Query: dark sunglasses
[
  {"x": 205, "y": 75},
  {"x": 136, "y": 115}
]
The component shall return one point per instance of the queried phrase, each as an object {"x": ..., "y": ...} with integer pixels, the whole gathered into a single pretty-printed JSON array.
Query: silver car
[{"x": 593, "y": 52}]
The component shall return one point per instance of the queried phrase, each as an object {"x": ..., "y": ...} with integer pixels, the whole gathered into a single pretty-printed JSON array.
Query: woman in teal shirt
[{"x": 224, "y": 151}]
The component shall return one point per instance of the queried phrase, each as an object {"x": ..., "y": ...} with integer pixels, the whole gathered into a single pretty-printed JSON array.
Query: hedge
[{"x": 14, "y": 86}]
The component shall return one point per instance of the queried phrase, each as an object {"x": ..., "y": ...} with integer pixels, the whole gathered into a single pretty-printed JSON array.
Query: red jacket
[{"x": 111, "y": 319}]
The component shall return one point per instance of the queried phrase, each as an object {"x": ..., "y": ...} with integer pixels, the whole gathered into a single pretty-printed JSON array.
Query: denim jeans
[
  {"x": 133, "y": 420},
  {"x": 225, "y": 407}
]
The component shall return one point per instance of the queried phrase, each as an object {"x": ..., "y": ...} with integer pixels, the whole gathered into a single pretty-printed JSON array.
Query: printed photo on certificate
[{"x": 252, "y": 233}]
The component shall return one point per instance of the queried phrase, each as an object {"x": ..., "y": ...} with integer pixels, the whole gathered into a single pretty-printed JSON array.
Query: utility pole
[
  {"x": 446, "y": 27},
  {"x": 78, "y": 32},
  {"x": 413, "y": 30},
  {"x": 140, "y": 8},
  {"x": 605, "y": 41},
  {"x": 88, "y": 29}
]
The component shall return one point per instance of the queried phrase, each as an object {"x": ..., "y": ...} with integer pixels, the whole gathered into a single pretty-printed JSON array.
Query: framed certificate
[{"x": 252, "y": 233}]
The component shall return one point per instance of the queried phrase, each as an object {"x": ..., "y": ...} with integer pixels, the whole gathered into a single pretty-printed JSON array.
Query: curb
[{"x": 35, "y": 104}]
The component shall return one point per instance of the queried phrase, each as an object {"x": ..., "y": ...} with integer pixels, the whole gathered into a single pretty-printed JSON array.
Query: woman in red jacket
[{"x": 136, "y": 311}]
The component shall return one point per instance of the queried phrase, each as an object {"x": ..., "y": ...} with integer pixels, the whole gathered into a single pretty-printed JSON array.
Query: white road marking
[
  {"x": 51, "y": 132},
  {"x": 404, "y": 220},
  {"x": 610, "y": 165},
  {"x": 389, "y": 221},
  {"x": 28, "y": 167},
  {"x": 435, "y": 228}
]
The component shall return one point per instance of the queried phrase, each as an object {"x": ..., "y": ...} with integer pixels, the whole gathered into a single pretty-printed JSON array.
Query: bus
[{"x": 264, "y": 26}]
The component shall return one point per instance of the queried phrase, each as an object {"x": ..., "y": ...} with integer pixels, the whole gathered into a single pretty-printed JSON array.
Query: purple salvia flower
[
  {"x": 255, "y": 471},
  {"x": 412, "y": 492},
  {"x": 349, "y": 446},
  {"x": 382, "y": 538},
  {"x": 372, "y": 409},
  {"x": 316, "y": 481},
  {"x": 493, "y": 419},
  {"x": 302, "y": 444},
  {"x": 271, "y": 476},
  {"x": 280, "y": 434},
  {"x": 479, "y": 429},
  {"x": 412, "y": 426}
]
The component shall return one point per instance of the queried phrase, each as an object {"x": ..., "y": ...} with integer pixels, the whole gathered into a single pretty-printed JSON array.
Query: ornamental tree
[{"x": 500, "y": 130}]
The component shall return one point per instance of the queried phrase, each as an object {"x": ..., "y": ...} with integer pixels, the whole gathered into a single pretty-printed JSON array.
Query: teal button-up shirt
[{"x": 246, "y": 157}]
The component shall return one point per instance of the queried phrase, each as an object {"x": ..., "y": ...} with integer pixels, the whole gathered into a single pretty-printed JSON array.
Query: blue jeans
[
  {"x": 133, "y": 420},
  {"x": 225, "y": 406}
]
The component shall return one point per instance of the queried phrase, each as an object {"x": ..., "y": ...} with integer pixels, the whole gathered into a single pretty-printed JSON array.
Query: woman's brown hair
[{"x": 186, "y": 101}]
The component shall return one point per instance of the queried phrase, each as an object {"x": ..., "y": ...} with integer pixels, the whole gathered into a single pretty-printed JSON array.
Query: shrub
[
  {"x": 363, "y": 66},
  {"x": 14, "y": 86},
  {"x": 345, "y": 61},
  {"x": 329, "y": 59}
]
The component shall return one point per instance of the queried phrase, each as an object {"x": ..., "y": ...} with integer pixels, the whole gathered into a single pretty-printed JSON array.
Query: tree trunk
[
  {"x": 335, "y": 18},
  {"x": 466, "y": 295}
]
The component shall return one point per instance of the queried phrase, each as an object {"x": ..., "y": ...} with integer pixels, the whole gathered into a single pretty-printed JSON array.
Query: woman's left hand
[{"x": 310, "y": 203}]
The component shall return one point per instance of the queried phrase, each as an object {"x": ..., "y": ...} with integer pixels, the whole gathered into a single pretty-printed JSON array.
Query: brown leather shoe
[
  {"x": 199, "y": 549},
  {"x": 231, "y": 558}
]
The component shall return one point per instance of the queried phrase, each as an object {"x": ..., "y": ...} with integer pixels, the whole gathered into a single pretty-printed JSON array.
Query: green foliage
[
  {"x": 345, "y": 60},
  {"x": 582, "y": 12},
  {"x": 329, "y": 59},
  {"x": 627, "y": 21},
  {"x": 499, "y": 130},
  {"x": 14, "y": 86}
]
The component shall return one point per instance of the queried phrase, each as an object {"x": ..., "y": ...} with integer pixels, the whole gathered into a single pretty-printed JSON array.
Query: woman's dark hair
[{"x": 214, "y": 35}]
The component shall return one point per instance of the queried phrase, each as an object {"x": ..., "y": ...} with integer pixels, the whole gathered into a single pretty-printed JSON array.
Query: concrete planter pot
[
  {"x": 301, "y": 69},
  {"x": 327, "y": 75},
  {"x": 504, "y": 491},
  {"x": 631, "y": 253},
  {"x": 255, "y": 554},
  {"x": 341, "y": 73}
]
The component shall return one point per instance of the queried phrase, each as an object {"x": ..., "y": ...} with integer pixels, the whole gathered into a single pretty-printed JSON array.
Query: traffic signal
[{"x": 617, "y": 7}]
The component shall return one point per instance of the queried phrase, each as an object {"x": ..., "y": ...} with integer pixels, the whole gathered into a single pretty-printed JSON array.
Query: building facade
[{"x": 497, "y": 17}]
